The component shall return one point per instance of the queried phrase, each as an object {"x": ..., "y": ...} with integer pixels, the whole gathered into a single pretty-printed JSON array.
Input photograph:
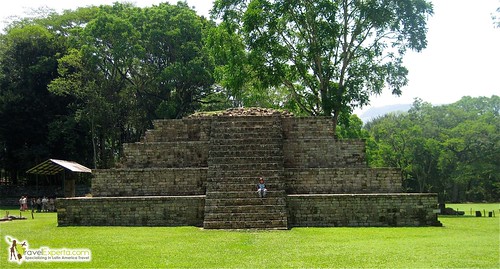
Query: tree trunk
[
  {"x": 454, "y": 193},
  {"x": 335, "y": 120},
  {"x": 94, "y": 148}
]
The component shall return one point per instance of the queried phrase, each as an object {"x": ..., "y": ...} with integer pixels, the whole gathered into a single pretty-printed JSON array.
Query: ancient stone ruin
[{"x": 203, "y": 170}]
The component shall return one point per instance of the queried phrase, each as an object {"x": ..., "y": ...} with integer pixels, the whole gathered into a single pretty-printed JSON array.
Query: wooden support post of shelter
[{"x": 52, "y": 167}]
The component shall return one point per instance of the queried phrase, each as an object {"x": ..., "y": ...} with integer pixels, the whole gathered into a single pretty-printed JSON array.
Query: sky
[{"x": 462, "y": 57}]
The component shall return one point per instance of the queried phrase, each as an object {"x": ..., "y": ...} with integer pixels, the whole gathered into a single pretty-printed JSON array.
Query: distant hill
[{"x": 375, "y": 112}]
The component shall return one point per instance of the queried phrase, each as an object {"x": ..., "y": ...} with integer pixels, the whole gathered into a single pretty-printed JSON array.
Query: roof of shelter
[{"x": 52, "y": 166}]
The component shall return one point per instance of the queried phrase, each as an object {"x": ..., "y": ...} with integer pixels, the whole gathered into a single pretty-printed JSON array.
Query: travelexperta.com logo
[{"x": 19, "y": 251}]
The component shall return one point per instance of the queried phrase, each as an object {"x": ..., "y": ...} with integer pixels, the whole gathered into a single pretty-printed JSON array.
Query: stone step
[
  {"x": 248, "y": 140},
  {"x": 261, "y": 224},
  {"x": 243, "y": 194},
  {"x": 248, "y": 179},
  {"x": 167, "y": 136},
  {"x": 159, "y": 123},
  {"x": 247, "y": 120},
  {"x": 249, "y": 133},
  {"x": 237, "y": 178},
  {"x": 246, "y": 147},
  {"x": 255, "y": 117},
  {"x": 168, "y": 144},
  {"x": 245, "y": 166},
  {"x": 231, "y": 187},
  {"x": 245, "y": 159},
  {"x": 165, "y": 155},
  {"x": 240, "y": 179},
  {"x": 310, "y": 135},
  {"x": 271, "y": 151},
  {"x": 256, "y": 173},
  {"x": 178, "y": 130},
  {"x": 281, "y": 201},
  {"x": 244, "y": 177},
  {"x": 268, "y": 131},
  {"x": 245, "y": 209},
  {"x": 245, "y": 216}
]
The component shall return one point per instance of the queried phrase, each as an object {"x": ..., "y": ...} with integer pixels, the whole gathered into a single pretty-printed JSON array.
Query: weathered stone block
[{"x": 132, "y": 211}]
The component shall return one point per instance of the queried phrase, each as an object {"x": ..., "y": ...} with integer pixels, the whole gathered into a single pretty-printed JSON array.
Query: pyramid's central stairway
[{"x": 241, "y": 150}]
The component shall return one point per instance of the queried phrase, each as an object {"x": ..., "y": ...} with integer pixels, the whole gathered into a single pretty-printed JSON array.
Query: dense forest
[
  {"x": 452, "y": 150},
  {"x": 77, "y": 85}
]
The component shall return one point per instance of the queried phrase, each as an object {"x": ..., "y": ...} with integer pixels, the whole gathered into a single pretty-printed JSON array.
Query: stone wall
[
  {"x": 188, "y": 129},
  {"x": 307, "y": 127},
  {"x": 362, "y": 210},
  {"x": 343, "y": 180},
  {"x": 310, "y": 143},
  {"x": 131, "y": 211},
  {"x": 307, "y": 143},
  {"x": 165, "y": 155},
  {"x": 323, "y": 152},
  {"x": 147, "y": 182},
  {"x": 171, "y": 144}
]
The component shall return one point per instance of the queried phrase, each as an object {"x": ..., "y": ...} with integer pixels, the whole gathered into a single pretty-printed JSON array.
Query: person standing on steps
[{"x": 261, "y": 188}]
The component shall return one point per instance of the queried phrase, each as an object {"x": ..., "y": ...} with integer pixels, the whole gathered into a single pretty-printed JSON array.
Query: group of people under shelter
[{"x": 38, "y": 204}]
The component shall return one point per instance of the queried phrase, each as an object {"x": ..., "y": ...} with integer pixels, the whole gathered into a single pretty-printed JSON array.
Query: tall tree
[
  {"x": 130, "y": 66},
  {"x": 330, "y": 55},
  {"x": 175, "y": 68},
  {"x": 471, "y": 144},
  {"x": 28, "y": 62},
  {"x": 450, "y": 149},
  {"x": 235, "y": 79}
]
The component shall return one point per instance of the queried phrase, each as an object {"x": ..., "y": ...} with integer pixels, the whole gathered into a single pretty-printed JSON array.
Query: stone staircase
[{"x": 241, "y": 150}]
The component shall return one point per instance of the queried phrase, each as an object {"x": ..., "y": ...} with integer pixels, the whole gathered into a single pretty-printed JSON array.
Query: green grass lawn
[{"x": 463, "y": 242}]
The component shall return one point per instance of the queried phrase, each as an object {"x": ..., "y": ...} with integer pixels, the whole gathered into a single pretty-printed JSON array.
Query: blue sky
[{"x": 462, "y": 56}]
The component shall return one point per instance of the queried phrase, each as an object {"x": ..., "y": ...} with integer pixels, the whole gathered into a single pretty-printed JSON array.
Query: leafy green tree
[
  {"x": 353, "y": 129},
  {"x": 176, "y": 68},
  {"x": 28, "y": 62},
  {"x": 330, "y": 55},
  {"x": 395, "y": 136},
  {"x": 232, "y": 70},
  {"x": 90, "y": 107},
  {"x": 236, "y": 82},
  {"x": 129, "y": 66},
  {"x": 426, "y": 148},
  {"x": 450, "y": 149},
  {"x": 472, "y": 146}
]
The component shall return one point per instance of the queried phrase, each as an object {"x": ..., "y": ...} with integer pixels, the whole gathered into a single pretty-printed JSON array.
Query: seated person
[{"x": 261, "y": 188}]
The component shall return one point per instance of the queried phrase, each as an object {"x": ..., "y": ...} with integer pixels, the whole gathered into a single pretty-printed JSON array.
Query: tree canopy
[
  {"x": 451, "y": 149},
  {"x": 28, "y": 62},
  {"x": 131, "y": 65},
  {"x": 79, "y": 84},
  {"x": 330, "y": 55},
  {"x": 98, "y": 75}
]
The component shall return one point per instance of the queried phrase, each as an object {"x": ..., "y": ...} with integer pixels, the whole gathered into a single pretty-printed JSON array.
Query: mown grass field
[{"x": 463, "y": 242}]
